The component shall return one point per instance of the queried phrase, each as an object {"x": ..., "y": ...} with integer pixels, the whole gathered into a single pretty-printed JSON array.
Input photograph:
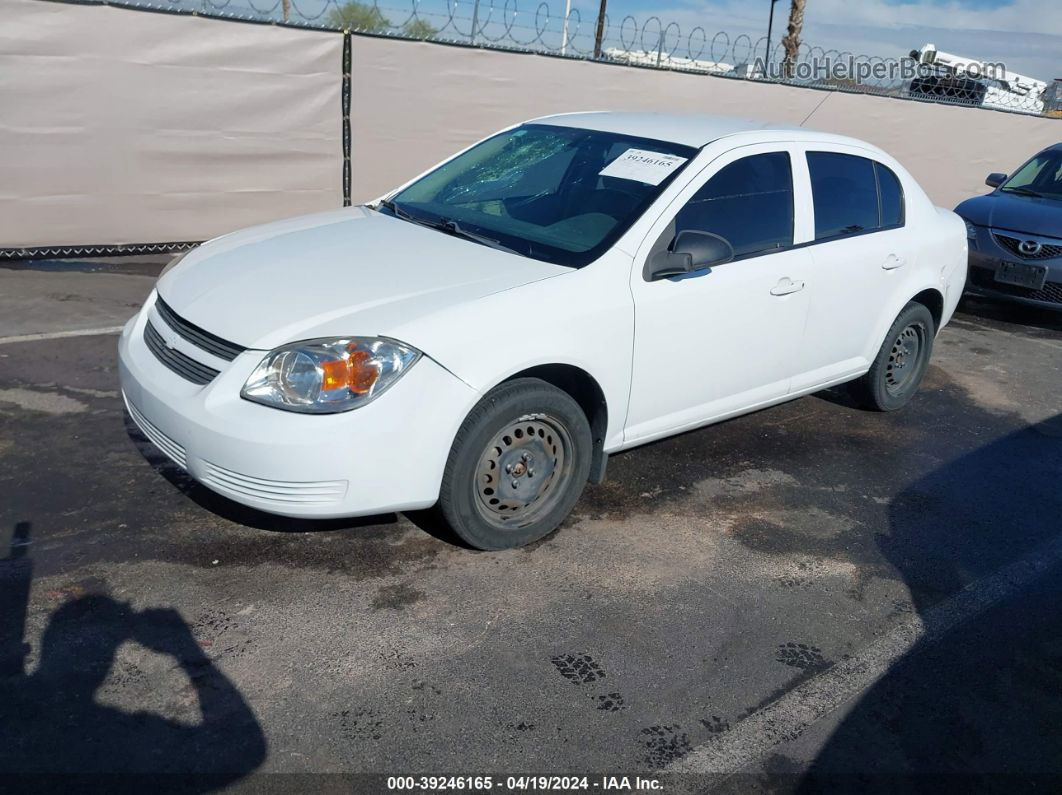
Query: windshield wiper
[
  {"x": 398, "y": 212},
  {"x": 451, "y": 227},
  {"x": 447, "y": 225},
  {"x": 1024, "y": 191}
]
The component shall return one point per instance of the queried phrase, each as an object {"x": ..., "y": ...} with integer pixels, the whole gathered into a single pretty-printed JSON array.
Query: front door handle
[
  {"x": 786, "y": 286},
  {"x": 892, "y": 262}
]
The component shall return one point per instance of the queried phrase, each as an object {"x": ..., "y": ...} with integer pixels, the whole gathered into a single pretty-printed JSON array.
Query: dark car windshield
[
  {"x": 1041, "y": 176},
  {"x": 559, "y": 194}
]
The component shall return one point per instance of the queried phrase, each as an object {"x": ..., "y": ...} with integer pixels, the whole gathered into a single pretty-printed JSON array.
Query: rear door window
[
  {"x": 892, "y": 205},
  {"x": 845, "y": 195}
]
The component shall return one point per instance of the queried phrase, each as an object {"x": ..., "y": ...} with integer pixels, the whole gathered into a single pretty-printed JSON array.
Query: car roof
[{"x": 680, "y": 128}]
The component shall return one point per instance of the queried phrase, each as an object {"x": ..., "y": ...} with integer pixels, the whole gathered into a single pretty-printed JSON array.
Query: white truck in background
[{"x": 968, "y": 81}]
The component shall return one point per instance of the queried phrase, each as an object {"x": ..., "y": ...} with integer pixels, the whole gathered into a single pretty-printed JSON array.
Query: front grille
[
  {"x": 1051, "y": 292},
  {"x": 317, "y": 492},
  {"x": 211, "y": 343},
  {"x": 173, "y": 450},
  {"x": 184, "y": 366},
  {"x": 1013, "y": 245}
]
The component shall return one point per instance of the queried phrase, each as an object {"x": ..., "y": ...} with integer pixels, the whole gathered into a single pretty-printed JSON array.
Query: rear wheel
[
  {"x": 518, "y": 465},
  {"x": 901, "y": 363}
]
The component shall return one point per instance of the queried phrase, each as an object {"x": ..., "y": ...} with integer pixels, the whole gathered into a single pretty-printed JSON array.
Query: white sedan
[{"x": 482, "y": 338}]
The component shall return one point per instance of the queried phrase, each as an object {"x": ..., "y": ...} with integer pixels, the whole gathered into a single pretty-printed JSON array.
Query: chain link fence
[{"x": 651, "y": 42}]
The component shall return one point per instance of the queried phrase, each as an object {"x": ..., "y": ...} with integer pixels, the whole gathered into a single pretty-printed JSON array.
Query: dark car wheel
[
  {"x": 901, "y": 363},
  {"x": 517, "y": 466}
]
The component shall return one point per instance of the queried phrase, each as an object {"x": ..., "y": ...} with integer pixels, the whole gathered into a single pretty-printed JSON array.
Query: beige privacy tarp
[
  {"x": 122, "y": 126},
  {"x": 416, "y": 102}
]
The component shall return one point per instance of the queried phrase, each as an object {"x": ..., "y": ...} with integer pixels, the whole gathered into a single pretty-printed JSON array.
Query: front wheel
[
  {"x": 517, "y": 466},
  {"x": 901, "y": 363}
]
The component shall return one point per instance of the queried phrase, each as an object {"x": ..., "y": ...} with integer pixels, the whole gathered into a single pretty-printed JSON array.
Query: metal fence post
[
  {"x": 767, "y": 53},
  {"x": 345, "y": 103},
  {"x": 475, "y": 22},
  {"x": 599, "y": 34},
  {"x": 564, "y": 30}
]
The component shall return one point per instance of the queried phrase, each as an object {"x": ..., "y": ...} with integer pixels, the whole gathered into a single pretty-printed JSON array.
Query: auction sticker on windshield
[{"x": 642, "y": 165}]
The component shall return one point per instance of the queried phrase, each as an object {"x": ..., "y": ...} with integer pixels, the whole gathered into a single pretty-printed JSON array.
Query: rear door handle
[
  {"x": 892, "y": 262},
  {"x": 786, "y": 286}
]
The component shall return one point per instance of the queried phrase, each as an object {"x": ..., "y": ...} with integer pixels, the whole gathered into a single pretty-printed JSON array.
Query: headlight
[
  {"x": 175, "y": 260},
  {"x": 971, "y": 231},
  {"x": 328, "y": 376}
]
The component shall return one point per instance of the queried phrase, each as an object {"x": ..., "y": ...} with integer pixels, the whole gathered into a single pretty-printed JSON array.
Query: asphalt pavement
[{"x": 812, "y": 597}]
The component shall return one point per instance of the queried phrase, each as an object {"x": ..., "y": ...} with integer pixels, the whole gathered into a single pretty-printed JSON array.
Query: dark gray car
[{"x": 1015, "y": 234}]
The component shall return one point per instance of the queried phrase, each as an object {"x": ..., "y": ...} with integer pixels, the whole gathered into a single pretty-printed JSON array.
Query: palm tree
[{"x": 791, "y": 42}]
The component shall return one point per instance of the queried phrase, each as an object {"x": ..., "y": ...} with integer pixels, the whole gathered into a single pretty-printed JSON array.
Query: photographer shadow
[
  {"x": 55, "y": 735},
  {"x": 975, "y": 706}
]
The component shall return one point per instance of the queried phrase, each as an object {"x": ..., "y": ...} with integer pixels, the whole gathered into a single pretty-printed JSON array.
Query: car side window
[
  {"x": 844, "y": 193},
  {"x": 749, "y": 202},
  {"x": 892, "y": 203}
]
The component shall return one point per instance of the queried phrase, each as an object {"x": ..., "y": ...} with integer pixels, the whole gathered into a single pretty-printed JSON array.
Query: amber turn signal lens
[
  {"x": 363, "y": 372},
  {"x": 336, "y": 374},
  {"x": 357, "y": 373}
]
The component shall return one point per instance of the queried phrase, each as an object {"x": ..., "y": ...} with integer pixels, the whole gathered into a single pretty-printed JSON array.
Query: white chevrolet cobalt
[{"x": 482, "y": 338}]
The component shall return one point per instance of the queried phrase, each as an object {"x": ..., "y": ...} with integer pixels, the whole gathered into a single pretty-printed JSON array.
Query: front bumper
[
  {"x": 986, "y": 255},
  {"x": 386, "y": 456}
]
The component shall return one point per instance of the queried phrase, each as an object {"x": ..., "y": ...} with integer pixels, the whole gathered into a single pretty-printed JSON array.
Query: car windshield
[
  {"x": 559, "y": 194},
  {"x": 1041, "y": 176}
]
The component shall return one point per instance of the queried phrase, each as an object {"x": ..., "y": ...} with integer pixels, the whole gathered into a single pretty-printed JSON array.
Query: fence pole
[
  {"x": 600, "y": 32},
  {"x": 770, "y": 28},
  {"x": 345, "y": 107},
  {"x": 564, "y": 31},
  {"x": 475, "y": 22}
]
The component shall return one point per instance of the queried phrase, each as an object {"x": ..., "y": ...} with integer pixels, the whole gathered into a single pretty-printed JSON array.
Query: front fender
[{"x": 584, "y": 318}]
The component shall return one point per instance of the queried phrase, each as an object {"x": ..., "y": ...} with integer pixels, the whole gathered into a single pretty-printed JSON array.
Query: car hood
[
  {"x": 351, "y": 272},
  {"x": 1016, "y": 213}
]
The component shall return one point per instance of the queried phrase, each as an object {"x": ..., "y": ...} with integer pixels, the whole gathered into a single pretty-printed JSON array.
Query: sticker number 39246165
[{"x": 642, "y": 165}]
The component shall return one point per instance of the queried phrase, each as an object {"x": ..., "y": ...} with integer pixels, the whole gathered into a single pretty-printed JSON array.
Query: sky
[{"x": 1024, "y": 34}]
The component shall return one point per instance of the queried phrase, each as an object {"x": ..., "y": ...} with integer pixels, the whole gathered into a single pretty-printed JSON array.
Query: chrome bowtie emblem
[{"x": 1029, "y": 247}]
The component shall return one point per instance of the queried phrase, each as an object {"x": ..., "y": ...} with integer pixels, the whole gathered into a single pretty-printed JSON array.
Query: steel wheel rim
[
  {"x": 534, "y": 453},
  {"x": 904, "y": 358}
]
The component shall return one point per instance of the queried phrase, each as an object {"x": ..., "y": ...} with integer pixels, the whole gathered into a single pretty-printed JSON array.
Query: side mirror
[
  {"x": 691, "y": 251},
  {"x": 995, "y": 179}
]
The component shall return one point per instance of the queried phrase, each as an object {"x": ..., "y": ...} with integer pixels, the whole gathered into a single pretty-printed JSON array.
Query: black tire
[
  {"x": 901, "y": 363},
  {"x": 548, "y": 439}
]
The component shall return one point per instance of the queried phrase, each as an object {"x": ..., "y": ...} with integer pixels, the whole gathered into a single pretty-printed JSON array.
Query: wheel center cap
[{"x": 519, "y": 469}]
